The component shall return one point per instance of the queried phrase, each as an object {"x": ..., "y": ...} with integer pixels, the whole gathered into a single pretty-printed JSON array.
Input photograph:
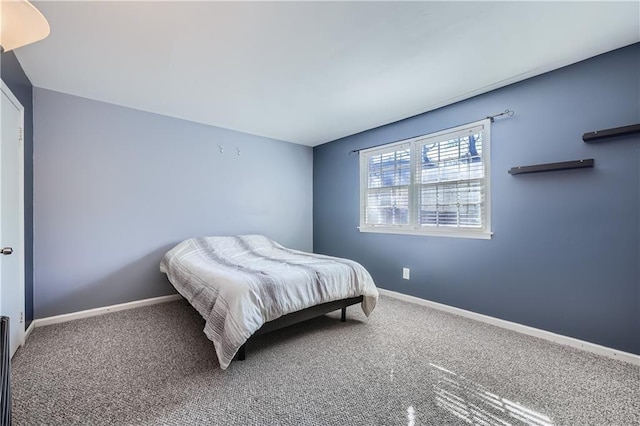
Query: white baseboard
[
  {"x": 104, "y": 310},
  {"x": 29, "y": 330},
  {"x": 524, "y": 329}
]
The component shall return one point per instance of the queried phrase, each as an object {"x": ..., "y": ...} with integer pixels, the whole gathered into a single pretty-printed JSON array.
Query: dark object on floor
[{"x": 5, "y": 372}]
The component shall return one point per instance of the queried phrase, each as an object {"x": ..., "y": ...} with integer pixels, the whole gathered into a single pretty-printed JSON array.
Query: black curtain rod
[{"x": 506, "y": 112}]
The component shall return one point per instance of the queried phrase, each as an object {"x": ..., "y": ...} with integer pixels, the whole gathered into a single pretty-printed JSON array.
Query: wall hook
[
  {"x": 238, "y": 151},
  {"x": 221, "y": 148}
]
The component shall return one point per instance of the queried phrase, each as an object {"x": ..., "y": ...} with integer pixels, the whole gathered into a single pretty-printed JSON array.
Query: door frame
[{"x": 21, "y": 252}]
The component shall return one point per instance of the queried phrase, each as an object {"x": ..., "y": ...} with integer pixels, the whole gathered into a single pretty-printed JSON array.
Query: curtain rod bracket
[{"x": 506, "y": 112}]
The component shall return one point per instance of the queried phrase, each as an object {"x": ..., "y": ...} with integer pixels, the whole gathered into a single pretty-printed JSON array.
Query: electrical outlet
[{"x": 405, "y": 273}]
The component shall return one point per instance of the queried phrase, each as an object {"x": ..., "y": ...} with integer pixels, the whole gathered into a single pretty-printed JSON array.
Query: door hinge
[
  {"x": 21, "y": 134},
  {"x": 21, "y": 317}
]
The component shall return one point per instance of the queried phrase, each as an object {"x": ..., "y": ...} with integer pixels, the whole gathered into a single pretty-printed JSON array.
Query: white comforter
[{"x": 239, "y": 283}]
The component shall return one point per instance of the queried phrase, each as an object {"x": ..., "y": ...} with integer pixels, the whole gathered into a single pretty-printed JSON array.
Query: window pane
[
  {"x": 451, "y": 204},
  {"x": 375, "y": 179},
  {"x": 470, "y": 215},
  {"x": 390, "y": 169},
  {"x": 451, "y": 160},
  {"x": 388, "y": 206}
]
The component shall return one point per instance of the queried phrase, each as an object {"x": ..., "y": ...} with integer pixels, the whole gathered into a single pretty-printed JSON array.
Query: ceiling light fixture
[{"x": 20, "y": 24}]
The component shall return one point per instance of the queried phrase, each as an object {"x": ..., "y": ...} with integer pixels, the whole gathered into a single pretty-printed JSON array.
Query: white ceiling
[{"x": 311, "y": 72}]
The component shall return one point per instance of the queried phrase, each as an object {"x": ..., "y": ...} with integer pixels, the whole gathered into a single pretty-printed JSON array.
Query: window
[{"x": 436, "y": 184}]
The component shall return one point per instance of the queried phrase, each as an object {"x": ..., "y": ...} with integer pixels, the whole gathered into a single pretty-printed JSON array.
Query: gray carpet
[{"x": 406, "y": 365}]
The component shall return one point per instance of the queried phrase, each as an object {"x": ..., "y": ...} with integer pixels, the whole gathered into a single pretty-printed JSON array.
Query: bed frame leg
[
  {"x": 343, "y": 317},
  {"x": 242, "y": 353}
]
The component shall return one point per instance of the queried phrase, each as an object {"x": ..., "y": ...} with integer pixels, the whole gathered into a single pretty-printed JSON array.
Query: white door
[{"x": 12, "y": 216}]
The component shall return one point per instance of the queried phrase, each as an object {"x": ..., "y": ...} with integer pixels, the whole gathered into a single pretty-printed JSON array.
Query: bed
[{"x": 248, "y": 284}]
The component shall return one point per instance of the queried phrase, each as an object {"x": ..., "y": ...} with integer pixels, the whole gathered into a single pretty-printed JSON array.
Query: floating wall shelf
[
  {"x": 550, "y": 167},
  {"x": 610, "y": 133}
]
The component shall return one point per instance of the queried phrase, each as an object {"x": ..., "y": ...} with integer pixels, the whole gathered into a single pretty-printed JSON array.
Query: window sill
[{"x": 479, "y": 235}]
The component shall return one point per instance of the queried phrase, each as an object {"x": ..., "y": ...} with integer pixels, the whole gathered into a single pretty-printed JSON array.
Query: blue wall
[
  {"x": 14, "y": 77},
  {"x": 115, "y": 188},
  {"x": 565, "y": 253}
]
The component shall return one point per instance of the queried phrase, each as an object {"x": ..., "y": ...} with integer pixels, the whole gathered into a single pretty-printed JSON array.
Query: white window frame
[{"x": 413, "y": 228}]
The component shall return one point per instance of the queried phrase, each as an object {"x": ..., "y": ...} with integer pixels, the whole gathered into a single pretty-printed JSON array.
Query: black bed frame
[{"x": 300, "y": 316}]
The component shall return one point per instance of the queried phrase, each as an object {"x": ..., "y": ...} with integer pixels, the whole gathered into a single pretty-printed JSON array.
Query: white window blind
[
  {"x": 388, "y": 184},
  {"x": 437, "y": 184}
]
